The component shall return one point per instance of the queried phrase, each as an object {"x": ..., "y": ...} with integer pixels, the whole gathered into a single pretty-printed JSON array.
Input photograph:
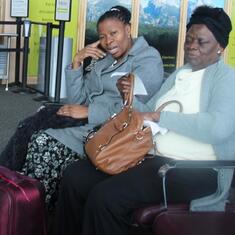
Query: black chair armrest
[
  {"x": 194, "y": 164},
  {"x": 225, "y": 164}
]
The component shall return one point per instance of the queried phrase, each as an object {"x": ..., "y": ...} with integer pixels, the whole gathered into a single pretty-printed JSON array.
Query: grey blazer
[{"x": 97, "y": 89}]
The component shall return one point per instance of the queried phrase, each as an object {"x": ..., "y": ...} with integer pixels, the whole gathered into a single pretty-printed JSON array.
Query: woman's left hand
[
  {"x": 74, "y": 111},
  {"x": 124, "y": 86}
]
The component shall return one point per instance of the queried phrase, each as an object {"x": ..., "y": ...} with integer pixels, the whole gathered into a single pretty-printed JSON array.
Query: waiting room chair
[{"x": 178, "y": 219}]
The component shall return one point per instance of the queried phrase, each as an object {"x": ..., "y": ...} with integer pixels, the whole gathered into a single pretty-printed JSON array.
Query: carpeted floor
[{"x": 14, "y": 107}]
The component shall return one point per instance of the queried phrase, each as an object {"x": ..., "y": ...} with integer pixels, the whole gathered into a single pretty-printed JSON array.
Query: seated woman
[
  {"x": 92, "y": 202},
  {"x": 93, "y": 95}
]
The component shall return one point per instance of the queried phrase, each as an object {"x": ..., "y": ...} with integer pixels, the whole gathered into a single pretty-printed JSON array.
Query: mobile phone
[{"x": 100, "y": 47}]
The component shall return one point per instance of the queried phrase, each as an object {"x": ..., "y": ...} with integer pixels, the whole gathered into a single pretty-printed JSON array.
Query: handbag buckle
[
  {"x": 101, "y": 147},
  {"x": 90, "y": 135},
  {"x": 139, "y": 137},
  {"x": 124, "y": 125},
  {"x": 113, "y": 116}
]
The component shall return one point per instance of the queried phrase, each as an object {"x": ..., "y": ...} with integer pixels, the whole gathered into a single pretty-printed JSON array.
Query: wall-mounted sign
[
  {"x": 19, "y": 8},
  {"x": 63, "y": 10}
]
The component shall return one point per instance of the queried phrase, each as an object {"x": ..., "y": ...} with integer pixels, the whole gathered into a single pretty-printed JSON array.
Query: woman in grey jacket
[
  {"x": 94, "y": 95},
  {"x": 92, "y": 202}
]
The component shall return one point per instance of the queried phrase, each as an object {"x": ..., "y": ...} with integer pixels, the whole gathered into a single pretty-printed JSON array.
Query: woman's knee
[
  {"x": 77, "y": 175},
  {"x": 72, "y": 174},
  {"x": 103, "y": 198}
]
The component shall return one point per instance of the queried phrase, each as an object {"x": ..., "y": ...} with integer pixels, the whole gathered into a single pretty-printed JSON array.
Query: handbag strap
[
  {"x": 128, "y": 97},
  {"x": 162, "y": 106}
]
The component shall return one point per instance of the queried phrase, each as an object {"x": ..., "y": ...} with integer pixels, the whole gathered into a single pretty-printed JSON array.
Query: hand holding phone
[{"x": 92, "y": 50}]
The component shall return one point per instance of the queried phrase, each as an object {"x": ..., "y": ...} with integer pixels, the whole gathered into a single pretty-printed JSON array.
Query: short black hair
[{"x": 118, "y": 12}]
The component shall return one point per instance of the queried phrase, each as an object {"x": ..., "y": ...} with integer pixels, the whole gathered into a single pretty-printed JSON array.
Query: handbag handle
[
  {"x": 162, "y": 106},
  {"x": 159, "y": 109},
  {"x": 128, "y": 97}
]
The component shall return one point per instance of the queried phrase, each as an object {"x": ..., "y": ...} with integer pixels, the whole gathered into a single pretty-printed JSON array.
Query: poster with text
[{"x": 159, "y": 24}]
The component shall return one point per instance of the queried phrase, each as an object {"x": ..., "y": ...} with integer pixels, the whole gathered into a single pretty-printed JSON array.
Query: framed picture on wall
[
  {"x": 157, "y": 21},
  {"x": 159, "y": 24},
  {"x": 162, "y": 23}
]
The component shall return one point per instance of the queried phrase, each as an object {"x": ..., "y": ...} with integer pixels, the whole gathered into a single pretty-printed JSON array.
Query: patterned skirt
[{"x": 46, "y": 160}]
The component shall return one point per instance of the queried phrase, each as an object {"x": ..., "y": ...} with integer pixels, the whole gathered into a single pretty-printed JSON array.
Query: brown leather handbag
[{"x": 122, "y": 142}]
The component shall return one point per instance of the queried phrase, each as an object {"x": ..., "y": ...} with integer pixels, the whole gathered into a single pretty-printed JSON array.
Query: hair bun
[{"x": 119, "y": 12}]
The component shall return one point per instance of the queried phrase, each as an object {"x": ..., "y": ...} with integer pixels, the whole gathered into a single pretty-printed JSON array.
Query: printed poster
[{"x": 159, "y": 24}]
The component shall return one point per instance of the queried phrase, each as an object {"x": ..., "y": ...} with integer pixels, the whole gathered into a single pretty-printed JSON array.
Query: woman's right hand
[
  {"x": 73, "y": 110},
  {"x": 151, "y": 116},
  {"x": 90, "y": 50}
]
